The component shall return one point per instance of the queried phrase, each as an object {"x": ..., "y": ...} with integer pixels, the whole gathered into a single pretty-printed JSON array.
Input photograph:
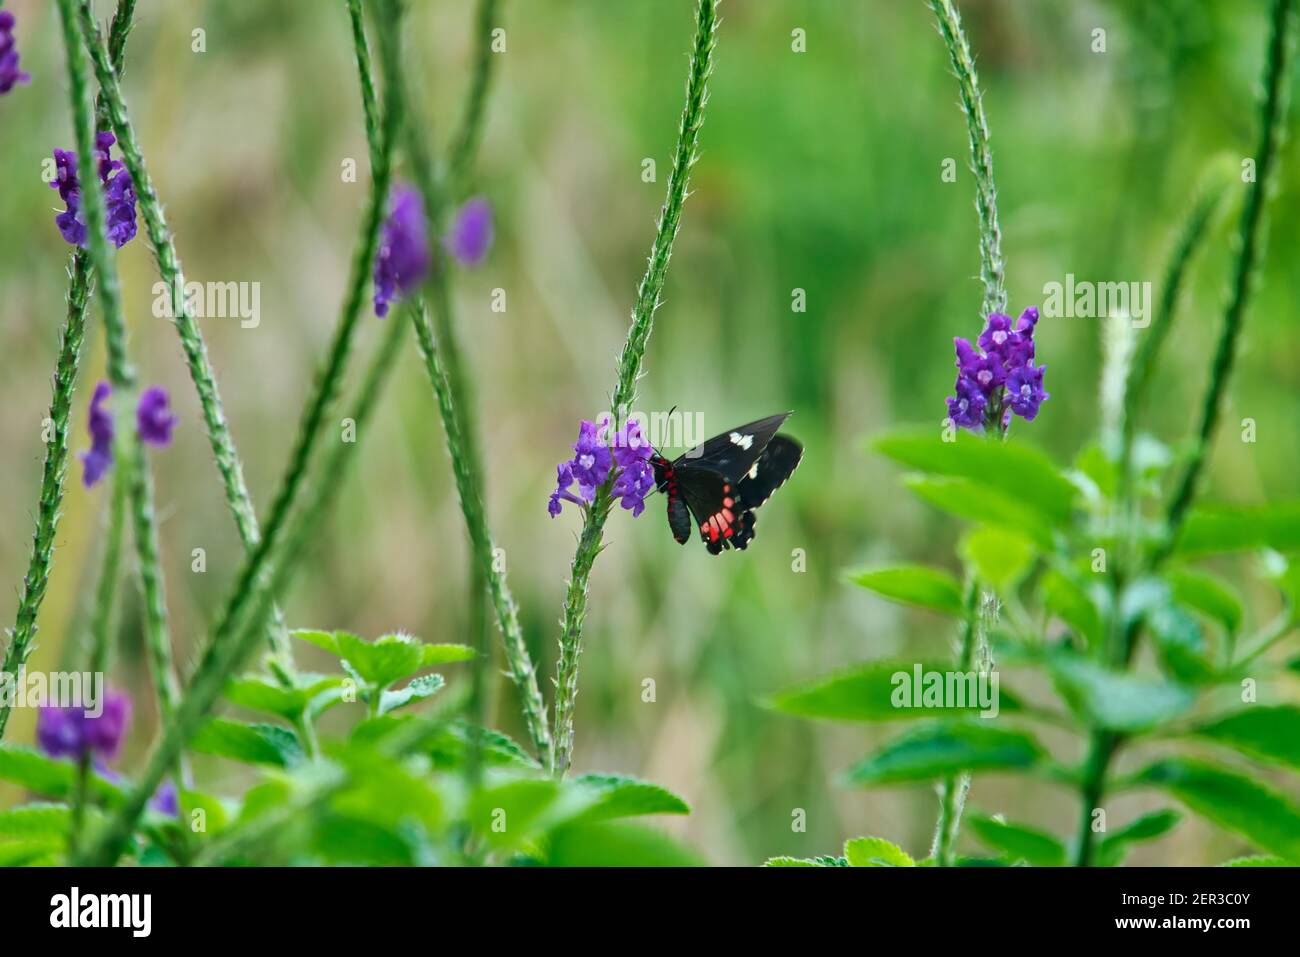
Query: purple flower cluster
[
  {"x": 154, "y": 423},
  {"x": 403, "y": 258},
  {"x": 75, "y": 734},
  {"x": 72, "y": 733},
  {"x": 10, "y": 75},
  {"x": 470, "y": 236},
  {"x": 119, "y": 194},
  {"x": 595, "y": 457},
  {"x": 999, "y": 377}
]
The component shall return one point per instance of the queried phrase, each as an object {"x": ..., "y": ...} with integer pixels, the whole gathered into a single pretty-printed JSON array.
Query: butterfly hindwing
[{"x": 776, "y": 464}]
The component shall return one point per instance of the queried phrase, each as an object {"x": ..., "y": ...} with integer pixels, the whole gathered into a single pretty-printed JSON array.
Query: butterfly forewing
[
  {"x": 733, "y": 453},
  {"x": 776, "y": 464}
]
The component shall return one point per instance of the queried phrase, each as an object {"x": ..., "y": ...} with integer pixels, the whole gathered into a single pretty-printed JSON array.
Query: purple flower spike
[
  {"x": 99, "y": 458},
  {"x": 596, "y": 454},
  {"x": 636, "y": 477},
  {"x": 470, "y": 237},
  {"x": 403, "y": 259},
  {"x": 119, "y": 195},
  {"x": 592, "y": 458},
  {"x": 10, "y": 75},
  {"x": 73, "y": 733},
  {"x": 999, "y": 378},
  {"x": 153, "y": 418}
]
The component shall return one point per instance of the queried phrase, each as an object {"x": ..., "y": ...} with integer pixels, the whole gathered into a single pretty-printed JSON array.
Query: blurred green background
[{"x": 820, "y": 171}]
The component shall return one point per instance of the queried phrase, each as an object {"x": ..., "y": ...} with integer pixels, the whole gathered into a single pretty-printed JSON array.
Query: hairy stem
[
  {"x": 629, "y": 370},
  {"x": 992, "y": 265},
  {"x": 465, "y": 144},
  {"x": 441, "y": 354},
  {"x": 169, "y": 267},
  {"x": 952, "y": 799},
  {"x": 1251, "y": 237},
  {"x": 22, "y": 638}
]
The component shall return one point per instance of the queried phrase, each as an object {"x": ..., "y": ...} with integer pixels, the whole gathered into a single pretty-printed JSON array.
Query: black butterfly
[{"x": 722, "y": 481}]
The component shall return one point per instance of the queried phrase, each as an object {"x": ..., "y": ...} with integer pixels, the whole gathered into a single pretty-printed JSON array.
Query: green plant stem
[
  {"x": 1102, "y": 746},
  {"x": 237, "y": 633},
  {"x": 53, "y": 472},
  {"x": 465, "y": 144},
  {"x": 992, "y": 265},
  {"x": 101, "y": 622},
  {"x": 169, "y": 266},
  {"x": 1251, "y": 238},
  {"x": 629, "y": 370},
  {"x": 441, "y": 356},
  {"x": 953, "y": 792}
]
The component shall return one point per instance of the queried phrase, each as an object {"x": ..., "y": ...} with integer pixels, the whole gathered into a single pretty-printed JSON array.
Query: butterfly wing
[
  {"x": 713, "y": 501},
  {"x": 734, "y": 452},
  {"x": 770, "y": 470}
]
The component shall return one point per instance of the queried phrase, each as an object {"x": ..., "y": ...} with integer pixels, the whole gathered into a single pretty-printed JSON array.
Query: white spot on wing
[
  {"x": 744, "y": 441},
  {"x": 753, "y": 472}
]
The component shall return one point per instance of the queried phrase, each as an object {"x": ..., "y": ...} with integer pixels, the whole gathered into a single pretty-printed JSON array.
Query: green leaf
[
  {"x": 938, "y": 750},
  {"x": 876, "y": 852},
  {"x": 914, "y": 585},
  {"x": 1236, "y": 803},
  {"x": 1213, "y": 529},
  {"x": 444, "y": 654},
  {"x": 1035, "y": 480},
  {"x": 1018, "y": 841},
  {"x": 617, "y": 844},
  {"x": 417, "y": 689},
  {"x": 1148, "y": 827},
  {"x": 1257, "y": 860},
  {"x": 1114, "y": 700},
  {"x": 620, "y": 796},
  {"x": 35, "y": 821},
  {"x": 384, "y": 660},
  {"x": 1209, "y": 595},
  {"x": 794, "y": 862},
  {"x": 867, "y": 693},
  {"x": 30, "y": 852},
  {"x": 250, "y": 743},
  {"x": 1069, "y": 601},
  {"x": 1000, "y": 557},
  {"x": 1181, "y": 644},
  {"x": 50, "y": 777},
  {"x": 321, "y": 639},
  {"x": 509, "y": 814},
  {"x": 261, "y": 694},
  {"x": 982, "y": 504},
  {"x": 449, "y": 745},
  {"x": 1268, "y": 732}
]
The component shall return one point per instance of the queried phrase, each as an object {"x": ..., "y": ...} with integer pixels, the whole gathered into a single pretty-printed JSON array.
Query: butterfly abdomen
[{"x": 679, "y": 516}]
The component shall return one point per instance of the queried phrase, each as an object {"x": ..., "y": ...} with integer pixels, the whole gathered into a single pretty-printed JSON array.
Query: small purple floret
[
  {"x": 99, "y": 458},
  {"x": 72, "y": 733},
  {"x": 626, "y": 454},
  {"x": 153, "y": 417},
  {"x": 403, "y": 259},
  {"x": 470, "y": 236},
  {"x": 10, "y": 74}
]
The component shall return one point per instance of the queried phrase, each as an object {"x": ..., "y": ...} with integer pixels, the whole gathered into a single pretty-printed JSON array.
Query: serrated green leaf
[
  {"x": 793, "y": 862},
  {"x": 875, "y": 852},
  {"x": 417, "y": 689},
  {"x": 31, "y": 852},
  {"x": 35, "y": 821},
  {"x": 938, "y": 750},
  {"x": 1036, "y": 481},
  {"x": 1115, "y": 700},
  {"x": 1214, "y": 529},
  {"x": 326, "y": 640},
  {"x": 444, "y": 654},
  {"x": 261, "y": 694},
  {"x": 1268, "y": 732},
  {"x": 384, "y": 660},
  {"x": 1148, "y": 827},
  {"x": 1019, "y": 842},
  {"x": 616, "y": 844},
  {"x": 914, "y": 585},
  {"x": 507, "y": 815},
  {"x": 618, "y": 796},
  {"x": 448, "y": 746},
  {"x": 250, "y": 743},
  {"x": 1236, "y": 803},
  {"x": 1257, "y": 860},
  {"x": 869, "y": 692}
]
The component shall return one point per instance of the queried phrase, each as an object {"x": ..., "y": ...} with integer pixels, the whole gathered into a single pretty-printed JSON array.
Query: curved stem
[{"x": 629, "y": 370}]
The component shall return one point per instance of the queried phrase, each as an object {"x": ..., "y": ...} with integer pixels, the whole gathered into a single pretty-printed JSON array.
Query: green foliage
[
  {"x": 941, "y": 749},
  {"x": 875, "y": 852},
  {"x": 914, "y": 585},
  {"x": 1018, "y": 842},
  {"x": 1148, "y": 827}
]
